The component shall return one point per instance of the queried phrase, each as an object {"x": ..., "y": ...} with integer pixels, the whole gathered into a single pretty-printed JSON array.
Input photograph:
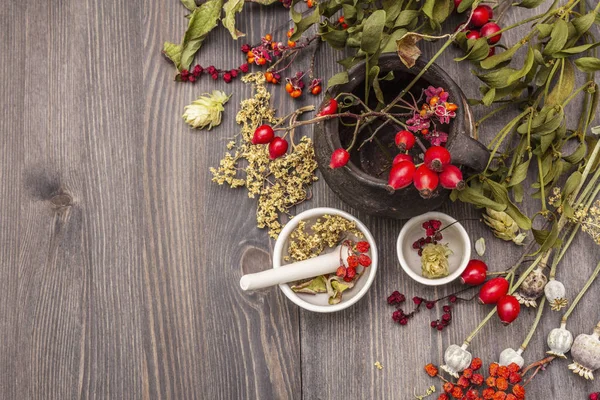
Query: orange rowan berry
[
  {"x": 503, "y": 372},
  {"x": 494, "y": 369},
  {"x": 514, "y": 378},
  {"x": 289, "y": 88},
  {"x": 448, "y": 386},
  {"x": 476, "y": 363},
  {"x": 490, "y": 381},
  {"x": 513, "y": 367},
  {"x": 488, "y": 394},
  {"x": 519, "y": 391},
  {"x": 463, "y": 382},
  {"x": 499, "y": 396},
  {"x": 316, "y": 90},
  {"x": 431, "y": 370},
  {"x": 457, "y": 392},
  {"x": 501, "y": 383},
  {"x": 511, "y": 397}
]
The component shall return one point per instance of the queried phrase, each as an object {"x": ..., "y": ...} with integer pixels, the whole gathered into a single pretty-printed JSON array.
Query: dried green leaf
[
  {"x": 313, "y": 286},
  {"x": 189, "y": 4},
  {"x": 438, "y": 10},
  {"x": 302, "y": 23},
  {"x": 547, "y": 240},
  {"x": 338, "y": 79},
  {"x": 407, "y": 49},
  {"x": 558, "y": 38},
  {"x": 575, "y": 50},
  {"x": 505, "y": 56},
  {"x": 465, "y": 5},
  {"x": 519, "y": 173},
  {"x": 530, "y": 3},
  {"x": 545, "y": 30},
  {"x": 231, "y": 8},
  {"x": 173, "y": 52},
  {"x": 203, "y": 20},
  {"x": 265, "y": 2},
  {"x": 571, "y": 184},
  {"x": 497, "y": 78},
  {"x": 518, "y": 193},
  {"x": 406, "y": 18},
  {"x": 390, "y": 44},
  {"x": 336, "y": 38},
  {"x": 577, "y": 155},
  {"x": 372, "y": 32},
  {"x": 588, "y": 64},
  {"x": 374, "y": 82},
  {"x": 518, "y": 74},
  {"x": 478, "y": 50},
  {"x": 392, "y": 9},
  {"x": 489, "y": 96},
  {"x": 583, "y": 23},
  {"x": 563, "y": 87},
  {"x": 475, "y": 197}
]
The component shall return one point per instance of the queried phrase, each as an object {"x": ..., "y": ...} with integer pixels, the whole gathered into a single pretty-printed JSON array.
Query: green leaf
[
  {"x": 472, "y": 196},
  {"x": 540, "y": 235},
  {"x": 349, "y": 62},
  {"x": 336, "y": 38},
  {"x": 530, "y": 3},
  {"x": 265, "y": 2},
  {"x": 478, "y": 50},
  {"x": 518, "y": 193},
  {"x": 519, "y": 173},
  {"x": 562, "y": 89},
  {"x": 372, "y": 32},
  {"x": 558, "y": 38},
  {"x": 438, "y": 10},
  {"x": 202, "y": 21},
  {"x": 575, "y": 50},
  {"x": 231, "y": 8},
  {"x": 505, "y": 56},
  {"x": 500, "y": 194},
  {"x": 464, "y": 5},
  {"x": 584, "y": 23},
  {"x": 390, "y": 44},
  {"x": 588, "y": 64},
  {"x": 496, "y": 79},
  {"x": 406, "y": 17},
  {"x": 516, "y": 75},
  {"x": 189, "y": 4},
  {"x": 489, "y": 97},
  {"x": 173, "y": 52},
  {"x": 388, "y": 77},
  {"x": 302, "y": 23},
  {"x": 338, "y": 79},
  {"x": 392, "y": 9},
  {"x": 349, "y": 11},
  {"x": 549, "y": 238},
  {"x": 571, "y": 184},
  {"x": 545, "y": 30},
  {"x": 578, "y": 154}
]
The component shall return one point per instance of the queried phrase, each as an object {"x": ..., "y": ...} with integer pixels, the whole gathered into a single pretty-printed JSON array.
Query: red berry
[
  {"x": 402, "y": 157},
  {"x": 473, "y": 34},
  {"x": 477, "y": 379},
  {"x": 430, "y": 305},
  {"x": 475, "y": 273},
  {"x": 417, "y": 300},
  {"x": 595, "y": 396},
  {"x": 434, "y": 324},
  {"x": 463, "y": 382},
  {"x": 353, "y": 261},
  {"x": 476, "y": 363},
  {"x": 489, "y": 9},
  {"x": 436, "y": 157},
  {"x": 263, "y": 134},
  {"x": 362, "y": 247},
  {"x": 480, "y": 16},
  {"x": 492, "y": 51},
  {"x": 451, "y": 178},
  {"x": 234, "y": 73},
  {"x": 341, "y": 271},
  {"x": 364, "y": 260},
  {"x": 443, "y": 396},
  {"x": 457, "y": 3},
  {"x": 244, "y": 68},
  {"x": 508, "y": 309},
  {"x": 329, "y": 109},
  {"x": 493, "y": 290},
  {"x": 405, "y": 140},
  {"x": 227, "y": 77},
  {"x": 351, "y": 272},
  {"x": 426, "y": 181},
  {"x": 401, "y": 175},
  {"x": 489, "y": 31},
  {"x": 452, "y": 298},
  {"x": 339, "y": 158},
  {"x": 448, "y": 386},
  {"x": 472, "y": 394},
  {"x": 277, "y": 147}
]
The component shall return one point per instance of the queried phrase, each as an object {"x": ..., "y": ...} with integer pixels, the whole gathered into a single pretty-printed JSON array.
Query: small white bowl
[
  {"x": 319, "y": 302},
  {"x": 455, "y": 236}
]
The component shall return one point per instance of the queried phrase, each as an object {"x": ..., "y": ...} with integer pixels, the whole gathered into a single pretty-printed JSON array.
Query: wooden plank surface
[{"x": 120, "y": 260}]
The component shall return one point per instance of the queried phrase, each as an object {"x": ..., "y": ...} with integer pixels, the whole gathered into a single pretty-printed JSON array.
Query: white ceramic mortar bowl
[
  {"x": 455, "y": 236},
  {"x": 319, "y": 302}
]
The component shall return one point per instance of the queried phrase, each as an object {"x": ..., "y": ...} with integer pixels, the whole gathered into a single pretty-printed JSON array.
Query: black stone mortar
[{"x": 362, "y": 182}]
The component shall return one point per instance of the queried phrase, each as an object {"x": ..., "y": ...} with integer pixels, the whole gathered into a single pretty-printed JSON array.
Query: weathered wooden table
[{"x": 120, "y": 260}]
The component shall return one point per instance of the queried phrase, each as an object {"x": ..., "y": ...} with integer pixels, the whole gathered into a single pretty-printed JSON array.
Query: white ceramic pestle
[{"x": 320, "y": 265}]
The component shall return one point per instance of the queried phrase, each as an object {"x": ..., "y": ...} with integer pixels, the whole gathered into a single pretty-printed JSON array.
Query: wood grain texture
[{"x": 120, "y": 260}]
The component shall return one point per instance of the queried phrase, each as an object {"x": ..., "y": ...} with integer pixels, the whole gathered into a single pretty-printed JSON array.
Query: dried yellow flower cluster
[
  {"x": 327, "y": 231},
  {"x": 590, "y": 221},
  {"x": 279, "y": 184}
]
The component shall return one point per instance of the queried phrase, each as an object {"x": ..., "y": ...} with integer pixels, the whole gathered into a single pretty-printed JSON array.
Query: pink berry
[
  {"x": 426, "y": 181},
  {"x": 339, "y": 158}
]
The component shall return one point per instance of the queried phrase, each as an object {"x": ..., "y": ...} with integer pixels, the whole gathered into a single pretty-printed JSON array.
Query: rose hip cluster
[
  {"x": 503, "y": 383},
  {"x": 356, "y": 257},
  {"x": 436, "y": 169},
  {"x": 482, "y": 26}
]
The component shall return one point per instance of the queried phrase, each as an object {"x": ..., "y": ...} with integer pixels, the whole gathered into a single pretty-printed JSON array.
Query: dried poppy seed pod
[
  {"x": 559, "y": 341},
  {"x": 503, "y": 226},
  {"x": 586, "y": 354},
  {"x": 532, "y": 288},
  {"x": 555, "y": 294},
  {"x": 456, "y": 359},
  {"x": 509, "y": 356}
]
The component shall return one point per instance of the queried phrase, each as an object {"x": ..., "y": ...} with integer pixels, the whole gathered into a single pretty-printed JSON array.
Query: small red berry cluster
[
  {"x": 481, "y": 26},
  {"x": 355, "y": 257},
  {"x": 196, "y": 72},
  {"x": 595, "y": 396},
  {"x": 396, "y": 299},
  {"x": 432, "y": 235},
  {"x": 503, "y": 383}
]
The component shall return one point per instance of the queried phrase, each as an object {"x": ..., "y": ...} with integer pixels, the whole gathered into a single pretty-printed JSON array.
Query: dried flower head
[
  {"x": 434, "y": 260},
  {"x": 590, "y": 220},
  {"x": 205, "y": 112},
  {"x": 279, "y": 184},
  {"x": 503, "y": 226}
]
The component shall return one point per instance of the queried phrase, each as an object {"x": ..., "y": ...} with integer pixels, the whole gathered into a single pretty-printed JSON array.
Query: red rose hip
[
  {"x": 405, "y": 140},
  {"x": 436, "y": 157},
  {"x": 426, "y": 181},
  {"x": 508, "y": 309},
  {"x": 277, "y": 148},
  {"x": 339, "y": 158},
  {"x": 402, "y": 157},
  {"x": 329, "y": 109},
  {"x": 489, "y": 31},
  {"x": 263, "y": 135},
  {"x": 480, "y": 16},
  {"x": 451, "y": 178},
  {"x": 475, "y": 273},
  {"x": 401, "y": 175},
  {"x": 493, "y": 290}
]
